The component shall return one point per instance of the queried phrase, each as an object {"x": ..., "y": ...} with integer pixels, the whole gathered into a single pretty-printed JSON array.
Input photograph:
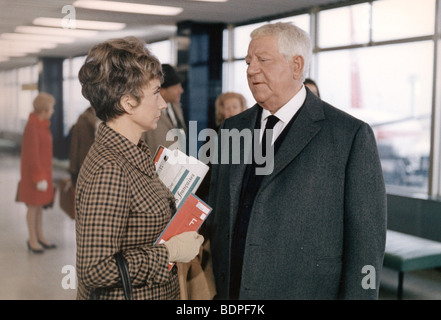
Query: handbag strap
[{"x": 125, "y": 276}]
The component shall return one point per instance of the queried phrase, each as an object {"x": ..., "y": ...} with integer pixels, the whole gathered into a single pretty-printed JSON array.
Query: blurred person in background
[
  {"x": 229, "y": 104},
  {"x": 312, "y": 85},
  {"x": 36, "y": 187},
  {"x": 83, "y": 136},
  {"x": 121, "y": 204}
]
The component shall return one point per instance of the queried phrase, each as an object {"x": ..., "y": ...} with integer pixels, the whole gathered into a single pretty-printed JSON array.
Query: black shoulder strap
[{"x": 125, "y": 276}]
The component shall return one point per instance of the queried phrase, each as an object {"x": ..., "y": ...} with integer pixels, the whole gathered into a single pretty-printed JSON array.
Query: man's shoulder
[{"x": 336, "y": 114}]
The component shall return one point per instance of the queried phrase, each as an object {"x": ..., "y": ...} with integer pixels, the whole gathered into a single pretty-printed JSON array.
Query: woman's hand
[
  {"x": 184, "y": 247},
  {"x": 42, "y": 185}
]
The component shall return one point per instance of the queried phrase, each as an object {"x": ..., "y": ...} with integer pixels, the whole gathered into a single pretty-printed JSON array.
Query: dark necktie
[{"x": 270, "y": 123}]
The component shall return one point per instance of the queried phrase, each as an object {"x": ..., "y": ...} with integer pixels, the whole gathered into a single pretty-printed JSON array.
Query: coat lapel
[
  {"x": 165, "y": 118},
  {"x": 306, "y": 126},
  {"x": 179, "y": 115},
  {"x": 246, "y": 120}
]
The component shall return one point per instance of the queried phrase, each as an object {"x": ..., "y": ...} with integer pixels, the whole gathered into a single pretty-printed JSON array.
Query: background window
[
  {"x": 302, "y": 21},
  {"x": 235, "y": 79},
  {"x": 163, "y": 51},
  {"x": 344, "y": 26},
  {"x": 73, "y": 100},
  {"x": 241, "y": 36},
  {"x": 18, "y": 89},
  {"x": 397, "y": 19},
  {"x": 392, "y": 91}
]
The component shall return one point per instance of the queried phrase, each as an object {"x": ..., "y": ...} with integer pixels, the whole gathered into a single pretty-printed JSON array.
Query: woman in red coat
[{"x": 36, "y": 186}]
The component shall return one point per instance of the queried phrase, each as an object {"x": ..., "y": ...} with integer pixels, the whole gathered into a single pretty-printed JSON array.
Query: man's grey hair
[{"x": 292, "y": 41}]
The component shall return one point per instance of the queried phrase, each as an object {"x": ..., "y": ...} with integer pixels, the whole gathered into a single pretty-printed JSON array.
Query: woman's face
[
  {"x": 231, "y": 107},
  {"x": 148, "y": 112}
]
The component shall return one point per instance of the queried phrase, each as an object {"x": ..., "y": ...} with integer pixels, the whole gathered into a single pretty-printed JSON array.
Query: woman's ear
[
  {"x": 297, "y": 65},
  {"x": 126, "y": 102}
]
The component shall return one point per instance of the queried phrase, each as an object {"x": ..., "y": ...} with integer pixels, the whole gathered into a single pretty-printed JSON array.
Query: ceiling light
[
  {"x": 15, "y": 54},
  {"x": 14, "y": 44},
  {"x": 19, "y": 50},
  {"x": 80, "y": 24},
  {"x": 211, "y": 0},
  {"x": 36, "y": 37},
  {"x": 128, "y": 7},
  {"x": 56, "y": 31}
]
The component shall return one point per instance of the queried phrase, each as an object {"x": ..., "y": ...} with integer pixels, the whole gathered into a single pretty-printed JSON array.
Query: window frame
[{"x": 434, "y": 173}]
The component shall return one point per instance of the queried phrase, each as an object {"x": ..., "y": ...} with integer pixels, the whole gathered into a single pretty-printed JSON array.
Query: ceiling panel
[{"x": 148, "y": 27}]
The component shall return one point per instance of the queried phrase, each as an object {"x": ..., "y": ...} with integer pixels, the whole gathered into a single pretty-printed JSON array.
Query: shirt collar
[{"x": 288, "y": 111}]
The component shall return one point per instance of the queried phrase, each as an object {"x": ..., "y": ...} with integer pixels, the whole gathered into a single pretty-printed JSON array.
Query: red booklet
[{"x": 189, "y": 217}]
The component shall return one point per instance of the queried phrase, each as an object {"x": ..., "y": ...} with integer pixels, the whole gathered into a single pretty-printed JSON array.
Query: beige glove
[
  {"x": 184, "y": 247},
  {"x": 42, "y": 185}
]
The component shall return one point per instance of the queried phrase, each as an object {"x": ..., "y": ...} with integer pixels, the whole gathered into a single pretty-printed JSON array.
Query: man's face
[
  {"x": 172, "y": 94},
  {"x": 271, "y": 78}
]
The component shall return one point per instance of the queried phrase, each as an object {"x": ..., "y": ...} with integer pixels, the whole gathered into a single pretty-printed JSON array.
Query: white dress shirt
[{"x": 284, "y": 114}]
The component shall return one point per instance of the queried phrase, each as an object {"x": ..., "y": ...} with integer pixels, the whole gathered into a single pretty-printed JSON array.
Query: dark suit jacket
[{"x": 317, "y": 219}]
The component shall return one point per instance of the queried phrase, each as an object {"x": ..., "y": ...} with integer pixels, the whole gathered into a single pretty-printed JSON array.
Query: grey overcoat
[{"x": 318, "y": 224}]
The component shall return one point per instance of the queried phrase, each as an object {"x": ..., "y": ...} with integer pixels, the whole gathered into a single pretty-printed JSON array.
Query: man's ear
[
  {"x": 297, "y": 65},
  {"x": 126, "y": 102}
]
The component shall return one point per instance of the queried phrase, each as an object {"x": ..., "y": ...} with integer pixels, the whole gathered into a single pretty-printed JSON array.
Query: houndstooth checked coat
[{"x": 122, "y": 206}]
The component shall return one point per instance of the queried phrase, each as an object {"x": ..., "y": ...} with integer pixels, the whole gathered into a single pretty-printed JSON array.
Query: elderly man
[{"x": 314, "y": 226}]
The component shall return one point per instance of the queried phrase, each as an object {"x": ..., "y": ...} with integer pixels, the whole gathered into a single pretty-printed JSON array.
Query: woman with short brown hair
[{"x": 121, "y": 204}]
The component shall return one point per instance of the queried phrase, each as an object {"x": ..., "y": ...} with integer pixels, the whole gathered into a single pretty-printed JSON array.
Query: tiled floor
[
  {"x": 23, "y": 274},
  {"x": 28, "y": 276}
]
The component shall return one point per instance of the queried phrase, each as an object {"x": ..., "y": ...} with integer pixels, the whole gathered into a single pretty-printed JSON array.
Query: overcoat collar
[
  {"x": 137, "y": 155},
  {"x": 306, "y": 126},
  {"x": 303, "y": 130}
]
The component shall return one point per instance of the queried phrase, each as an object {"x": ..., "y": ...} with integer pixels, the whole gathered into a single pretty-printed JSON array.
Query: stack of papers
[{"x": 182, "y": 175}]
